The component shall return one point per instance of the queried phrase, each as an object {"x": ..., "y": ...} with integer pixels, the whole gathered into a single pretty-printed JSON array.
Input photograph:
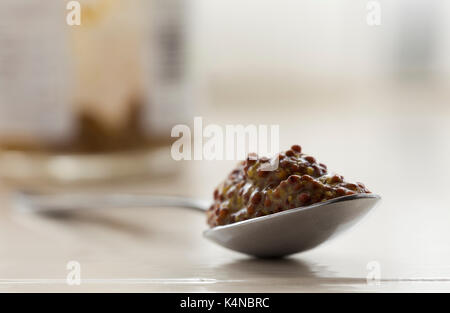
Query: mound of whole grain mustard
[{"x": 299, "y": 180}]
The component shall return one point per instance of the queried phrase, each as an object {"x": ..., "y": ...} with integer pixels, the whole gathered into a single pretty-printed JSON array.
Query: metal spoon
[{"x": 273, "y": 235}]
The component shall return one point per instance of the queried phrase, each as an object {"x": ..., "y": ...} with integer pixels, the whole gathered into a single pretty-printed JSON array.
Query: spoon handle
[{"x": 62, "y": 202}]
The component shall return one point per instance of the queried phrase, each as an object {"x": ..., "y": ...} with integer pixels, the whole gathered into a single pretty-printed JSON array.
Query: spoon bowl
[{"x": 294, "y": 230}]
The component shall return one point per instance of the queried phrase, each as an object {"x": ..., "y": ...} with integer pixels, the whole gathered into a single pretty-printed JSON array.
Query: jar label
[{"x": 34, "y": 95}]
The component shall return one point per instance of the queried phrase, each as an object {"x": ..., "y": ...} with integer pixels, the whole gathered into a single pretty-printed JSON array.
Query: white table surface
[{"x": 401, "y": 156}]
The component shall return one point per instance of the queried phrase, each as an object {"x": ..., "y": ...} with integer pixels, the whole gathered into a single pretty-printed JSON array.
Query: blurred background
[{"x": 93, "y": 105}]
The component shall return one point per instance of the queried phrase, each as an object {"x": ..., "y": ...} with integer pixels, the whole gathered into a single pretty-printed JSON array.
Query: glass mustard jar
[{"x": 93, "y": 101}]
